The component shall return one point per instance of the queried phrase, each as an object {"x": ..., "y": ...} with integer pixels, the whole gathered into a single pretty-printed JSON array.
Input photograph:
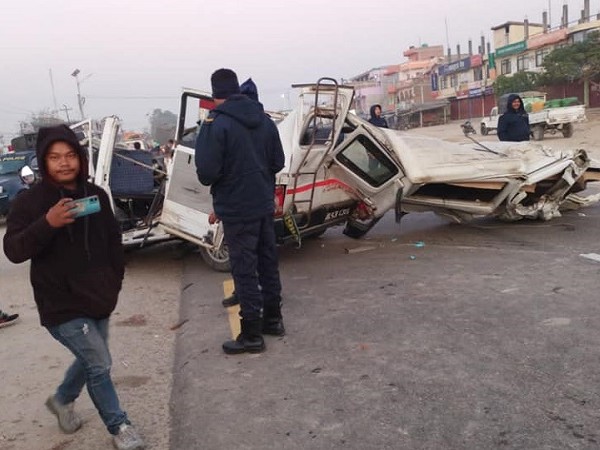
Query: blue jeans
[
  {"x": 253, "y": 255},
  {"x": 87, "y": 339}
]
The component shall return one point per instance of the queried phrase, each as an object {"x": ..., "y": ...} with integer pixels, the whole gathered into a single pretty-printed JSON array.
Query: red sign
[{"x": 476, "y": 61}]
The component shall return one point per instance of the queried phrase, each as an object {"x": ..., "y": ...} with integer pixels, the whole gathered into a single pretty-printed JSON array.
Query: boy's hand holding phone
[
  {"x": 67, "y": 210},
  {"x": 61, "y": 213}
]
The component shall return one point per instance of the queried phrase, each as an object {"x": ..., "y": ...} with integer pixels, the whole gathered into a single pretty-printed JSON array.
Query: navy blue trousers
[{"x": 254, "y": 265}]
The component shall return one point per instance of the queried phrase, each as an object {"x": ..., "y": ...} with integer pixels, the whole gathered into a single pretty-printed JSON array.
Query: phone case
[{"x": 86, "y": 206}]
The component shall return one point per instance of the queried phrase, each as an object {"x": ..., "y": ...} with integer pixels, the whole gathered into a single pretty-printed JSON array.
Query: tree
[
  {"x": 580, "y": 61},
  {"x": 519, "y": 82},
  {"x": 162, "y": 125}
]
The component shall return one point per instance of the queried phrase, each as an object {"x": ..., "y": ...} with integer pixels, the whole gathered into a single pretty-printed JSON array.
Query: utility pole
[
  {"x": 66, "y": 109},
  {"x": 80, "y": 99}
]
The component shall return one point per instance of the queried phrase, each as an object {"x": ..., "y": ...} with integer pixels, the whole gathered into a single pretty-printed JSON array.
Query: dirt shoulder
[{"x": 142, "y": 345}]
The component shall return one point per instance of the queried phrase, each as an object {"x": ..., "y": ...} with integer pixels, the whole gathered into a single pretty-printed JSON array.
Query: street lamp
[{"x": 80, "y": 99}]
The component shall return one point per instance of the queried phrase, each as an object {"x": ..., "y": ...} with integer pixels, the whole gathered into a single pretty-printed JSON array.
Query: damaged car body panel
[{"x": 342, "y": 170}]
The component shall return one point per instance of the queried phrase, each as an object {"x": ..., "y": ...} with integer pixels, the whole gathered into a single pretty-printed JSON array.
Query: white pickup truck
[{"x": 551, "y": 120}]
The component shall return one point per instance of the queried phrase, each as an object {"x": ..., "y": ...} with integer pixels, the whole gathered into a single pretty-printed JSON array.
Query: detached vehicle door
[
  {"x": 365, "y": 163},
  {"x": 188, "y": 203}
]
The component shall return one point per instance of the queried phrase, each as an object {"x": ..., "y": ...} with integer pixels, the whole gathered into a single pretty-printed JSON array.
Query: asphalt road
[{"x": 436, "y": 336}]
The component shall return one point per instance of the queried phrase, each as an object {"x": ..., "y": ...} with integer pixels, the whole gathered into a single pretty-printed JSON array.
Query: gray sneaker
[
  {"x": 68, "y": 420},
  {"x": 128, "y": 438}
]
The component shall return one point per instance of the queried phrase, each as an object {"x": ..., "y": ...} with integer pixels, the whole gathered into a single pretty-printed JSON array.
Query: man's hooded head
[
  {"x": 59, "y": 133},
  {"x": 224, "y": 83},
  {"x": 249, "y": 89},
  {"x": 509, "y": 105}
]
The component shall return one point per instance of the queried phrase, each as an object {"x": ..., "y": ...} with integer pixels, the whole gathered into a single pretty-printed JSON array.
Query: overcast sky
[{"x": 135, "y": 56}]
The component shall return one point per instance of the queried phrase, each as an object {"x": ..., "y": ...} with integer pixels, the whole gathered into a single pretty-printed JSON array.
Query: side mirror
[{"x": 27, "y": 175}]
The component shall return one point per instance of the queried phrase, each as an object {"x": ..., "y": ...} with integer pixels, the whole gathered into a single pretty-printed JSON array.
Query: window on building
[
  {"x": 478, "y": 73},
  {"x": 505, "y": 67},
  {"x": 522, "y": 63},
  {"x": 443, "y": 82},
  {"x": 540, "y": 55},
  {"x": 453, "y": 81}
]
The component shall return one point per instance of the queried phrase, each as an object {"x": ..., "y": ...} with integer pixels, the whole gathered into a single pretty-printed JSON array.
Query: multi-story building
[
  {"x": 402, "y": 88},
  {"x": 369, "y": 89}
]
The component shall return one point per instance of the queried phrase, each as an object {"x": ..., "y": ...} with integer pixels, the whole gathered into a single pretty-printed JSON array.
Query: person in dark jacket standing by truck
[
  {"x": 376, "y": 118},
  {"x": 513, "y": 125},
  {"x": 77, "y": 269},
  {"x": 238, "y": 153}
]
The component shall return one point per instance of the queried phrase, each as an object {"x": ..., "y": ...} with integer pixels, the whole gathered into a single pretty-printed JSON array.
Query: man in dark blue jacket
[
  {"x": 375, "y": 117},
  {"x": 238, "y": 153},
  {"x": 513, "y": 125}
]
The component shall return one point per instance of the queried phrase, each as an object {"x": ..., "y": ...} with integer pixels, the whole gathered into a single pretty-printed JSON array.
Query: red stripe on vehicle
[{"x": 323, "y": 183}]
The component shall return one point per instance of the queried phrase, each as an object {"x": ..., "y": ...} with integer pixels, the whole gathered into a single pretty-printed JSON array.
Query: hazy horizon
[{"x": 134, "y": 57}]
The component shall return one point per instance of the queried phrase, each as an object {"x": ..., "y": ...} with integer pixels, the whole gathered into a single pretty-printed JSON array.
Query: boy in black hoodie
[{"x": 77, "y": 268}]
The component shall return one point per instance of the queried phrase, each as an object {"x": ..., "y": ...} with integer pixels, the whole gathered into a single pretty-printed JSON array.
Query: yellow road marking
[{"x": 233, "y": 311}]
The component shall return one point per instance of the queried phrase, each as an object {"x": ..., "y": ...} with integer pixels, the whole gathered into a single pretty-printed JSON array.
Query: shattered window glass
[{"x": 367, "y": 161}]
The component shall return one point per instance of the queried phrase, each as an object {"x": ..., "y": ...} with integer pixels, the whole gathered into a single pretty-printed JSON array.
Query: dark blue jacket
[
  {"x": 238, "y": 153},
  {"x": 377, "y": 121},
  {"x": 513, "y": 125}
]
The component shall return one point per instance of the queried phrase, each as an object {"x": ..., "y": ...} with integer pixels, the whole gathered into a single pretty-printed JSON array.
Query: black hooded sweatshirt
[
  {"x": 513, "y": 125},
  {"x": 377, "y": 121},
  {"x": 238, "y": 153},
  {"x": 77, "y": 270}
]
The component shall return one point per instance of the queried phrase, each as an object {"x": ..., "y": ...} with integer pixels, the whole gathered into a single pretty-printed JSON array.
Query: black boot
[
  {"x": 273, "y": 321},
  {"x": 231, "y": 300},
  {"x": 249, "y": 340}
]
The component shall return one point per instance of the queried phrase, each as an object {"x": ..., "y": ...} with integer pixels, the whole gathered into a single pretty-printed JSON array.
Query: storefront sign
[
  {"x": 458, "y": 66},
  {"x": 511, "y": 49},
  {"x": 434, "y": 82},
  {"x": 476, "y": 61}
]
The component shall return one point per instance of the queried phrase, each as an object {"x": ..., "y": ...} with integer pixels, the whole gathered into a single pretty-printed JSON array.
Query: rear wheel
[
  {"x": 567, "y": 130},
  {"x": 217, "y": 259},
  {"x": 538, "y": 133},
  {"x": 484, "y": 130}
]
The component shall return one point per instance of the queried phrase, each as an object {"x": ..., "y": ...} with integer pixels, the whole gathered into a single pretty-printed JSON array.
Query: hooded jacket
[
  {"x": 238, "y": 153},
  {"x": 77, "y": 270},
  {"x": 377, "y": 121},
  {"x": 513, "y": 125},
  {"x": 249, "y": 89}
]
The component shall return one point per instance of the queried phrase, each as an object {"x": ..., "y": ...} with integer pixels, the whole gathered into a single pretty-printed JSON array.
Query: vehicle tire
[
  {"x": 217, "y": 259},
  {"x": 567, "y": 130},
  {"x": 356, "y": 230},
  {"x": 484, "y": 130},
  {"x": 538, "y": 133}
]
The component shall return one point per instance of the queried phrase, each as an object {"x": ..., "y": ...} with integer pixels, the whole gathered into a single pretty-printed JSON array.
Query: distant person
[
  {"x": 169, "y": 149},
  {"x": 376, "y": 118},
  {"x": 77, "y": 268},
  {"x": 513, "y": 125},
  {"x": 137, "y": 146},
  {"x": 238, "y": 153},
  {"x": 8, "y": 319}
]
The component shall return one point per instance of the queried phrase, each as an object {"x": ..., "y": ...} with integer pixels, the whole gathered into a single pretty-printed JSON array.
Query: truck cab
[{"x": 336, "y": 173}]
